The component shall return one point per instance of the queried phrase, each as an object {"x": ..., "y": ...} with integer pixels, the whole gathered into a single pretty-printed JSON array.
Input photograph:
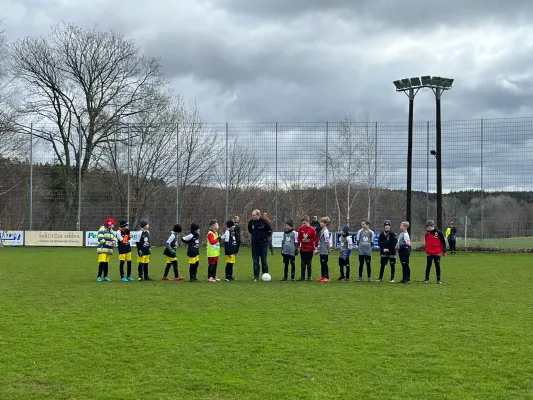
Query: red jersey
[
  {"x": 307, "y": 238},
  {"x": 435, "y": 243}
]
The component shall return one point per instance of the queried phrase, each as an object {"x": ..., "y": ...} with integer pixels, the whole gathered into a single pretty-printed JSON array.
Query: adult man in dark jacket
[{"x": 259, "y": 230}]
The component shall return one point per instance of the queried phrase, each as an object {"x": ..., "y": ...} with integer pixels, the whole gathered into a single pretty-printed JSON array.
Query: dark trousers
[
  {"x": 430, "y": 260},
  {"x": 142, "y": 269},
  {"x": 128, "y": 270},
  {"x": 229, "y": 270},
  {"x": 344, "y": 263},
  {"x": 452, "y": 243},
  {"x": 174, "y": 265},
  {"x": 270, "y": 247},
  {"x": 324, "y": 268},
  {"x": 362, "y": 261},
  {"x": 306, "y": 257},
  {"x": 404, "y": 255},
  {"x": 286, "y": 261},
  {"x": 259, "y": 253},
  {"x": 384, "y": 262},
  {"x": 238, "y": 246},
  {"x": 212, "y": 270},
  {"x": 103, "y": 268},
  {"x": 193, "y": 270}
]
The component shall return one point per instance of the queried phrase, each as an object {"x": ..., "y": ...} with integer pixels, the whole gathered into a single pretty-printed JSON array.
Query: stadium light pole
[
  {"x": 409, "y": 87},
  {"x": 438, "y": 85}
]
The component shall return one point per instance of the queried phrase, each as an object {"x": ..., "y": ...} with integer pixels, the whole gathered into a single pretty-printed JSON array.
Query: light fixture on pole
[{"x": 411, "y": 86}]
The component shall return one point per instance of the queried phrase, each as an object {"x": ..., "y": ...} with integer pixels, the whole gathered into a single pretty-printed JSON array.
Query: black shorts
[{"x": 344, "y": 262}]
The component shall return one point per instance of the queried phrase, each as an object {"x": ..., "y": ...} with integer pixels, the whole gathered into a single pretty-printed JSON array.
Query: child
[
  {"x": 170, "y": 253},
  {"x": 365, "y": 238},
  {"x": 289, "y": 250},
  {"x": 404, "y": 251},
  {"x": 387, "y": 248},
  {"x": 124, "y": 250},
  {"x": 344, "y": 255},
  {"x": 231, "y": 248},
  {"x": 143, "y": 251},
  {"x": 213, "y": 250},
  {"x": 435, "y": 248},
  {"x": 237, "y": 229},
  {"x": 451, "y": 231},
  {"x": 324, "y": 248},
  {"x": 193, "y": 251},
  {"x": 308, "y": 242},
  {"x": 106, "y": 243}
]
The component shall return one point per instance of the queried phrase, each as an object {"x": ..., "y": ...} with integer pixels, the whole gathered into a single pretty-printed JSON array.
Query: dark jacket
[
  {"x": 193, "y": 244},
  {"x": 230, "y": 243},
  {"x": 260, "y": 230},
  {"x": 143, "y": 245},
  {"x": 123, "y": 241},
  {"x": 318, "y": 228},
  {"x": 387, "y": 240},
  {"x": 237, "y": 230}
]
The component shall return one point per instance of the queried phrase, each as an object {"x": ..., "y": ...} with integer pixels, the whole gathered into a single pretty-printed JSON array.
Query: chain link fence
[{"x": 348, "y": 170}]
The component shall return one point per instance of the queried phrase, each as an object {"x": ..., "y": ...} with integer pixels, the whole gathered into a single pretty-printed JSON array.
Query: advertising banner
[{"x": 54, "y": 238}]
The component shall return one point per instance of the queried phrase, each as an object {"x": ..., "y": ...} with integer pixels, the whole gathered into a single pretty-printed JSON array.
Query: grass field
[{"x": 65, "y": 336}]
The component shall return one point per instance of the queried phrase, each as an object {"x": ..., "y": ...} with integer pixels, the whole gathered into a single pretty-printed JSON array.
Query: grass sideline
[{"x": 65, "y": 336}]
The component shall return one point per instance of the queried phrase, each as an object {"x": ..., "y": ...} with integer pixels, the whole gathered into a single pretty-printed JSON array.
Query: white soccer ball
[{"x": 266, "y": 278}]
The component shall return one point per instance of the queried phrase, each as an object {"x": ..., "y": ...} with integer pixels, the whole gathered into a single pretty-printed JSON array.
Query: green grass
[
  {"x": 516, "y": 243},
  {"x": 65, "y": 336}
]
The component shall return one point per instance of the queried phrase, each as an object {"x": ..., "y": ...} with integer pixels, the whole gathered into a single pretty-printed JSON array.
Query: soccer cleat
[
  {"x": 130, "y": 278},
  {"x": 212, "y": 279},
  {"x": 217, "y": 279},
  {"x": 256, "y": 279},
  {"x": 379, "y": 280},
  {"x": 392, "y": 280},
  {"x": 179, "y": 278},
  {"x": 320, "y": 279},
  {"x": 99, "y": 279},
  {"x": 341, "y": 278},
  {"x": 346, "y": 279},
  {"x": 284, "y": 279},
  {"x": 439, "y": 282},
  {"x": 360, "y": 280},
  {"x": 426, "y": 281},
  {"x": 302, "y": 279},
  {"x": 140, "y": 278},
  {"x": 370, "y": 280},
  {"x": 325, "y": 280},
  {"x": 194, "y": 280},
  {"x": 123, "y": 279},
  {"x": 106, "y": 278},
  {"x": 309, "y": 279},
  {"x": 147, "y": 278},
  {"x": 166, "y": 278}
]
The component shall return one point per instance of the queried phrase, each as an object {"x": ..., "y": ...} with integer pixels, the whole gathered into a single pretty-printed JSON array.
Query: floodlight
[
  {"x": 406, "y": 83},
  {"x": 447, "y": 83},
  {"x": 416, "y": 81},
  {"x": 426, "y": 80},
  {"x": 398, "y": 85},
  {"x": 436, "y": 81}
]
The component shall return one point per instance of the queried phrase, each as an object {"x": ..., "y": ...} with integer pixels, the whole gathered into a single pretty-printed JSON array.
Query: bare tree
[{"x": 81, "y": 83}]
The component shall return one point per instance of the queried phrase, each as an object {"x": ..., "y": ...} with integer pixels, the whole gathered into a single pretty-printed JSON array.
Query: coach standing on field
[{"x": 259, "y": 230}]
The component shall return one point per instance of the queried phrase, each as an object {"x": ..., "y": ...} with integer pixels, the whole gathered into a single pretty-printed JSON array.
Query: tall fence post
[
  {"x": 327, "y": 165},
  {"x": 375, "y": 169},
  {"x": 227, "y": 181},
  {"x": 427, "y": 172},
  {"x": 31, "y": 177},
  {"x": 276, "y": 182},
  {"x": 128, "y": 175},
  {"x": 177, "y": 173},
  {"x": 482, "y": 189},
  {"x": 80, "y": 145}
]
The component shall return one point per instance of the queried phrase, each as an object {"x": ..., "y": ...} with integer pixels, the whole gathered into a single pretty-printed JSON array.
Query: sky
[{"x": 316, "y": 60}]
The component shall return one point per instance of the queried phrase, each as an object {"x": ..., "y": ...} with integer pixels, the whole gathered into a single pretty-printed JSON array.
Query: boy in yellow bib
[{"x": 106, "y": 243}]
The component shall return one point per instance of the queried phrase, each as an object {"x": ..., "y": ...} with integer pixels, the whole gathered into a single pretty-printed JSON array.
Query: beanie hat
[
  {"x": 387, "y": 223},
  {"x": 230, "y": 224},
  {"x": 109, "y": 221},
  {"x": 123, "y": 224},
  {"x": 177, "y": 228},
  {"x": 194, "y": 227},
  {"x": 346, "y": 229},
  {"x": 290, "y": 223},
  {"x": 143, "y": 223}
]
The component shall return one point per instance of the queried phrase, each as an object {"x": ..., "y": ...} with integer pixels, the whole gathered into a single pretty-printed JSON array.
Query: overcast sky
[{"x": 314, "y": 60}]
